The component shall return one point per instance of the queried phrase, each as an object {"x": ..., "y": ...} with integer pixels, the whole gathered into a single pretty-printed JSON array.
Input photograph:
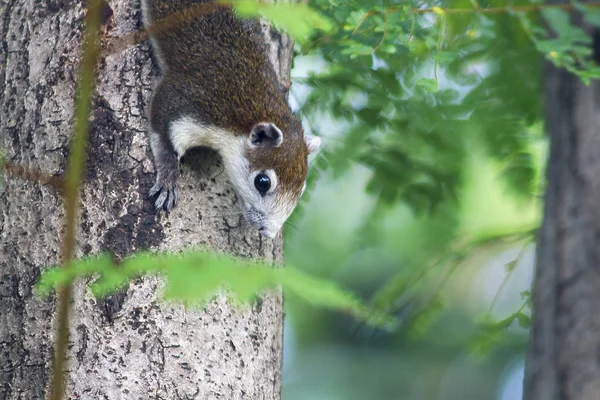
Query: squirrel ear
[
  {"x": 266, "y": 133},
  {"x": 312, "y": 142}
]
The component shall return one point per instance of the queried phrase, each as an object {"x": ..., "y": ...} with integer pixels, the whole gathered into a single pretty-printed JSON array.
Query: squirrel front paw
[{"x": 166, "y": 190}]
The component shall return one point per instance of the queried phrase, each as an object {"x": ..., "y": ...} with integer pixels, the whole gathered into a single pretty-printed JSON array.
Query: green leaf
[
  {"x": 388, "y": 48},
  {"x": 524, "y": 320},
  {"x": 560, "y": 21},
  {"x": 194, "y": 277},
  {"x": 591, "y": 15},
  {"x": 428, "y": 84},
  {"x": 510, "y": 266},
  {"x": 299, "y": 20},
  {"x": 424, "y": 318}
]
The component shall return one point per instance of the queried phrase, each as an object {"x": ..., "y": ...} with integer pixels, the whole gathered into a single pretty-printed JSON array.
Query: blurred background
[{"x": 423, "y": 201}]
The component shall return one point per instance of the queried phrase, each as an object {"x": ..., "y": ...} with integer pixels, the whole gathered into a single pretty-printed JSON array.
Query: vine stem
[{"x": 72, "y": 186}]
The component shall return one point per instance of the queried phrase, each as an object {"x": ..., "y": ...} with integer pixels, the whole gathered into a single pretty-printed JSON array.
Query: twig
[
  {"x": 412, "y": 29},
  {"x": 385, "y": 24},
  {"x": 507, "y": 276},
  {"x": 364, "y": 17},
  {"x": 437, "y": 52},
  {"x": 34, "y": 175},
  {"x": 76, "y": 165},
  {"x": 497, "y": 10}
]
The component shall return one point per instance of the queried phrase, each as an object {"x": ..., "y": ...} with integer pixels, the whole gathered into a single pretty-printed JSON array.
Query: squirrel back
[
  {"x": 219, "y": 89},
  {"x": 229, "y": 56}
]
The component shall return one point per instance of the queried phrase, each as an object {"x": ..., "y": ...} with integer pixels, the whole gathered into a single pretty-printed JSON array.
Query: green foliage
[
  {"x": 194, "y": 277},
  {"x": 408, "y": 285},
  {"x": 414, "y": 90},
  {"x": 393, "y": 78},
  {"x": 492, "y": 333},
  {"x": 425, "y": 317},
  {"x": 570, "y": 47},
  {"x": 297, "y": 19}
]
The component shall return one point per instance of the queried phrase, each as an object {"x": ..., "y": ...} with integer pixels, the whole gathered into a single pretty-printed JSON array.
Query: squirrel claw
[{"x": 167, "y": 196}]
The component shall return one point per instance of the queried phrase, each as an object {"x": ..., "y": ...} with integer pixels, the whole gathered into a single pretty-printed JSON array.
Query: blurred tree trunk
[
  {"x": 564, "y": 352},
  {"x": 131, "y": 346}
]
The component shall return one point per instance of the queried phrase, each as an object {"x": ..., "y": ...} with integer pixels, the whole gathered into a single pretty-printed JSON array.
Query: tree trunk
[
  {"x": 563, "y": 360},
  {"x": 132, "y": 345}
]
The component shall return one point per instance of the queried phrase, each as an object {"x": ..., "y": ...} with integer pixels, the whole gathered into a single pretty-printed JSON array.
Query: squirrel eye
[{"x": 262, "y": 183}]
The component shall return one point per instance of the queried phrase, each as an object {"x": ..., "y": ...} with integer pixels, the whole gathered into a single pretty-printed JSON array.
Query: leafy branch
[
  {"x": 194, "y": 277},
  {"x": 383, "y": 35},
  {"x": 492, "y": 332},
  {"x": 510, "y": 268},
  {"x": 389, "y": 296}
]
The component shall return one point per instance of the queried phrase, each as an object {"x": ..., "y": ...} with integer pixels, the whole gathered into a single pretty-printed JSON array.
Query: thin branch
[
  {"x": 497, "y": 10},
  {"x": 507, "y": 276},
  {"x": 76, "y": 166},
  {"x": 454, "y": 255},
  {"x": 364, "y": 17},
  {"x": 412, "y": 29},
  {"x": 34, "y": 175},
  {"x": 437, "y": 53},
  {"x": 385, "y": 25}
]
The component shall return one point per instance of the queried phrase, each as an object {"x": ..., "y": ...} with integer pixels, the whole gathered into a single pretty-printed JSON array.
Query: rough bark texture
[
  {"x": 131, "y": 346},
  {"x": 564, "y": 359}
]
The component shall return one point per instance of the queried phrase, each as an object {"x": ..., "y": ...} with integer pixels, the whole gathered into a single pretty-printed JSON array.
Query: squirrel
[{"x": 218, "y": 89}]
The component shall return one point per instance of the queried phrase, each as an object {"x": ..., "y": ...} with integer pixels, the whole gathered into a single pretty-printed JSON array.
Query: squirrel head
[{"x": 272, "y": 177}]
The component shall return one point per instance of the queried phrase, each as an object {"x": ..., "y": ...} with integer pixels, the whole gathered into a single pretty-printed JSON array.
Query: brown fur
[{"x": 217, "y": 69}]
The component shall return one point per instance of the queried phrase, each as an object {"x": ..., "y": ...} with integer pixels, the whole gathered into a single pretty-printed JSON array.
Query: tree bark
[
  {"x": 132, "y": 345},
  {"x": 563, "y": 359}
]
